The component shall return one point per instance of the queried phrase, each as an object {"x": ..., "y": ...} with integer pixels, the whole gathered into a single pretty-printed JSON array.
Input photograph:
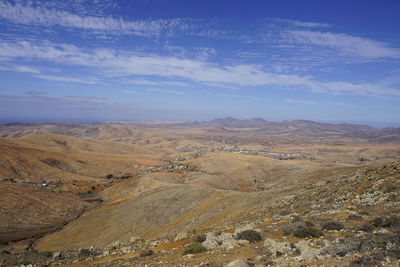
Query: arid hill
[{"x": 109, "y": 193}]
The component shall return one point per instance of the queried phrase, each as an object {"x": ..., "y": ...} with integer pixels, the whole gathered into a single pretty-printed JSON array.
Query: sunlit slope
[
  {"x": 164, "y": 204},
  {"x": 160, "y": 212},
  {"x": 53, "y": 157},
  {"x": 26, "y": 211}
]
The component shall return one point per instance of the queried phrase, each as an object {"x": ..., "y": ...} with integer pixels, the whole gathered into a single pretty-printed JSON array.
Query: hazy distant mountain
[
  {"x": 233, "y": 122},
  {"x": 256, "y": 126},
  {"x": 310, "y": 129}
]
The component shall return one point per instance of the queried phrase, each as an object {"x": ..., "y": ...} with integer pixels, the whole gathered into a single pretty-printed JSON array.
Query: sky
[{"x": 105, "y": 60}]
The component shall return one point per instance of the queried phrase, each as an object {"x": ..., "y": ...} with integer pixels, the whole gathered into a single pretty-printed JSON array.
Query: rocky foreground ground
[
  {"x": 350, "y": 220},
  {"x": 341, "y": 221}
]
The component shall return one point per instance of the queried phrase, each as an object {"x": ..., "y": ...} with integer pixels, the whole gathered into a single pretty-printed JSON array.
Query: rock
[
  {"x": 211, "y": 241},
  {"x": 106, "y": 252},
  {"x": 56, "y": 254},
  {"x": 249, "y": 226},
  {"x": 229, "y": 244},
  {"x": 341, "y": 247},
  {"x": 135, "y": 239},
  {"x": 126, "y": 250},
  {"x": 188, "y": 256},
  {"x": 237, "y": 263},
  {"x": 382, "y": 231},
  {"x": 243, "y": 242},
  {"x": 181, "y": 236},
  {"x": 224, "y": 236},
  {"x": 115, "y": 244},
  {"x": 259, "y": 257},
  {"x": 306, "y": 251},
  {"x": 277, "y": 248}
]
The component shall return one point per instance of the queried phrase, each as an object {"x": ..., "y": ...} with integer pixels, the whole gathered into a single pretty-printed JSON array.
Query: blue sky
[{"x": 197, "y": 60}]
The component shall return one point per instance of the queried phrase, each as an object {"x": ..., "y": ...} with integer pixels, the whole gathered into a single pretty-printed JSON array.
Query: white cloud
[
  {"x": 41, "y": 16},
  {"x": 298, "y": 23},
  {"x": 176, "y": 92},
  {"x": 240, "y": 96},
  {"x": 148, "y": 82},
  {"x": 118, "y": 64},
  {"x": 204, "y": 53},
  {"x": 343, "y": 43},
  {"x": 66, "y": 79},
  {"x": 20, "y": 68}
]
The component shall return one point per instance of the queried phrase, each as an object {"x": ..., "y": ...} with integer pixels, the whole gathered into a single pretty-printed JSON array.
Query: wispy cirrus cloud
[
  {"x": 41, "y": 16},
  {"x": 176, "y": 92},
  {"x": 123, "y": 64},
  {"x": 297, "y": 23},
  {"x": 87, "y": 97},
  {"x": 155, "y": 83},
  {"x": 342, "y": 43},
  {"x": 66, "y": 79},
  {"x": 20, "y": 68}
]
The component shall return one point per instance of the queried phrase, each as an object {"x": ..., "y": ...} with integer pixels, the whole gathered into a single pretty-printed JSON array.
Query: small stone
[
  {"x": 56, "y": 254},
  {"x": 237, "y": 263},
  {"x": 259, "y": 257},
  {"x": 229, "y": 244},
  {"x": 135, "y": 239},
  {"x": 277, "y": 248},
  {"x": 181, "y": 236},
  {"x": 126, "y": 250},
  {"x": 382, "y": 231},
  {"x": 249, "y": 226},
  {"x": 224, "y": 236},
  {"x": 211, "y": 241},
  {"x": 188, "y": 256},
  {"x": 306, "y": 251},
  {"x": 243, "y": 242}
]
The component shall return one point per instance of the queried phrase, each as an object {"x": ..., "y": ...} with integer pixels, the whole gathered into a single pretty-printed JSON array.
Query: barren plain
[{"x": 183, "y": 193}]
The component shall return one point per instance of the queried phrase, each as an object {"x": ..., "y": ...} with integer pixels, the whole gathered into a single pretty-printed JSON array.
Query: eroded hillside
[{"x": 111, "y": 196}]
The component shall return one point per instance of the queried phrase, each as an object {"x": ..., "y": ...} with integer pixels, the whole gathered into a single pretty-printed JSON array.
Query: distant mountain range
[
  {"x": 309, "y": 128},
  {"x": 256, "y": 126}
]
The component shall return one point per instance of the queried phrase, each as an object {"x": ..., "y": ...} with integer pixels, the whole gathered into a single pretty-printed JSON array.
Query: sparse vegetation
[
  {"x": 46, "y": 254},
  {"x": 146, "y": 253},
  {"x": 366, "y": 227},
  {"x": 194, "y": 248},
  {"x": 332, "y": 226},
  {"x": 109, "y": 176},
  {"x": 284, "y": 212},
  {"x": 200, "y": 238},
  {"x": 354, "y": 217},
  {"x": 392, "y": 221},
  {"x": 127, "y": 176},
  {"x": 249, "y": 235},
  {"x": 390, "y": 189},
  {"x": 61, "y": 142},
  {"x": 303, "y": 232},
  {"x": 85, "y": 252},
  {"x": 377, "y": 222}
]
